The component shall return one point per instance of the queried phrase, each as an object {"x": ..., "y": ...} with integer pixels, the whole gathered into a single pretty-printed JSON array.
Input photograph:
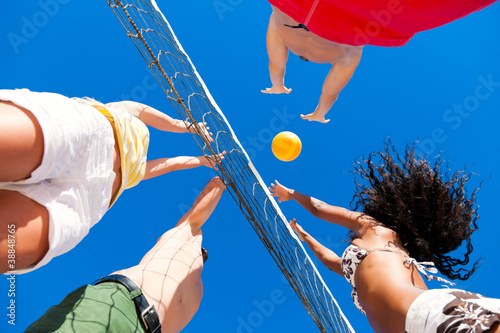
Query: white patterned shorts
[
  {"x": 452, "y": 311},
  {"x": 75, "y": 179}
]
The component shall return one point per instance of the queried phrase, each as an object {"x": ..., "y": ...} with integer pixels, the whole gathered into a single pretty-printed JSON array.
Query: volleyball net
[{"x": 153, "y": 36}]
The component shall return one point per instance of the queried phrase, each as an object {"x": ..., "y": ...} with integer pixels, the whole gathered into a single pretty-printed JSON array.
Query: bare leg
[
  {"x": 21, "y": 152},
  {"x": 21, "y": 143},
  {"x": 278, "y": 57},
  {"x": 170, "y": 273},
  {"x": 30, "y": 221}
]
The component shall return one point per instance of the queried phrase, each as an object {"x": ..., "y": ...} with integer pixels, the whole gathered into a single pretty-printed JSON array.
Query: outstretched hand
[
  {"x": 298, "y": 229},
  {"x": 277, "y": 90},
  {"x": 205, "y": 160},
  {"x": 280, "y": 191},
  {"x": 314, "y": 117}
]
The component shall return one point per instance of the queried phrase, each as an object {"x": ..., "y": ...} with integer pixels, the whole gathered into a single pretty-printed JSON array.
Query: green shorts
[{"x": 107, "y": 307}]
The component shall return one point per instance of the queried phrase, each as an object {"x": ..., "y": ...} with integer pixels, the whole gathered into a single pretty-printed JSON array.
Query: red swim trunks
[{"x": 375, "y": 22}]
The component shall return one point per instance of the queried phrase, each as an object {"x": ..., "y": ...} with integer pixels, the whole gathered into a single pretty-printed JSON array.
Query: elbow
[
  {"x": 135, "y": 109},
  {"x": 314, "y": 211},
  {"x": 316, "y": 208}
]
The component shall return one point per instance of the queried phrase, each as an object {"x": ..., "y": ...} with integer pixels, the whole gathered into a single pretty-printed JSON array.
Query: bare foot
[
  {"x": 277, "y": 90},
  {"x": 313, "y": 117}
]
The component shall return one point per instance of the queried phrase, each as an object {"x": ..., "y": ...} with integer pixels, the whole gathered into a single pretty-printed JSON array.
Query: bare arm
[
  {"x": 278, "y": 57},
  {"x": 354, "y": 221},
  {"x": 157, "y": 119},
  {"x": 151, "y": 117},
  {"x": 340, "y": 74},
  {"x": 161, "y": 166},
  {"x": 327, "y": 257},
  {"x": 204, "y": 205}
]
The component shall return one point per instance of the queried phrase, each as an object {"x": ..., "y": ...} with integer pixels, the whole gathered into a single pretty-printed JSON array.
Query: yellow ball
[{"x": 286, "y": 146}]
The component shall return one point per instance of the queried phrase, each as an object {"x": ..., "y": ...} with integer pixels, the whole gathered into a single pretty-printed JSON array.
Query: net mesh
[{"x": 153, "y": 36}]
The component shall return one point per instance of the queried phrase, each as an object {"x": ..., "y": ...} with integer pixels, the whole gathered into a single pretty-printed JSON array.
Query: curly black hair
[{"x": 431, "y": 212}]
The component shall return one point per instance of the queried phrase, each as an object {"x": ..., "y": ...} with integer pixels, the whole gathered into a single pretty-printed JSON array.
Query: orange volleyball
[{"x": 286, "y": 146}]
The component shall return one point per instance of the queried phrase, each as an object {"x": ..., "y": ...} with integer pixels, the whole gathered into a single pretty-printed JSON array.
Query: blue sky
[{"x": 79, "y": 48}]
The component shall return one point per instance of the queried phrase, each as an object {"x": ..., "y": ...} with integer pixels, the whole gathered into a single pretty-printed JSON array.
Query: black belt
[
  {"x": 147, "y": 312},
  {"x": 300, "y": 26}
]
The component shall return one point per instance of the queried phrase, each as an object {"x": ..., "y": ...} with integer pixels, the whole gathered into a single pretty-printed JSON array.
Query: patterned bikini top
[{"x": 353, "y": 255}]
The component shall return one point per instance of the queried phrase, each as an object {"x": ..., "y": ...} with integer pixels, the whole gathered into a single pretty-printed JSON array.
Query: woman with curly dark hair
[{"x": 413, "y": 215}]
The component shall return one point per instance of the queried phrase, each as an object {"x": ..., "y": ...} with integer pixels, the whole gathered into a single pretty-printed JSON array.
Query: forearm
[
  {"x": 308, "y": 202},
  {"x": 327, "y": 257},
  {"x": 161, "y": 166},
  {"x": 159, "y": 120},
  {"x": 168, "y": 124},
  {"x": 204, "y": 204},
  {"x": 337, "y": 215},
  {"x": 315, "y": 206}
]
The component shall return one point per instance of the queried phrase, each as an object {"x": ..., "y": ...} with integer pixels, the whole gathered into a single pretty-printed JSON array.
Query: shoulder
[
  {"x": 125, "y": 106},
  {"x": 374, "y": 229}
]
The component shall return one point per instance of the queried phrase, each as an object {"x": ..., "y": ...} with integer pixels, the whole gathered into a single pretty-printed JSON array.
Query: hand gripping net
[{"x": 151, "y": 33}]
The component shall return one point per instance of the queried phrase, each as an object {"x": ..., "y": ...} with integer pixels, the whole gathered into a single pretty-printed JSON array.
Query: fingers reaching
[
  {"x": 279, "y": 191},
  {"x": 202, "y": 129},
  {"x": 272, "y": 189},
  {"x": 205, "y": 131},
  {"x": 298, "y": 229}
]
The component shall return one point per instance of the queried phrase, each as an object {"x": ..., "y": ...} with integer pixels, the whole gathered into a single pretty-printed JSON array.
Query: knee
[
  {"x": 22, "y": 142},
  {"x": 24, "y": 231},
  {"x": 19, "y": 253}
]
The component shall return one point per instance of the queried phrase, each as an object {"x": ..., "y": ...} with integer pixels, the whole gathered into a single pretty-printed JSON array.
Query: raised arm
[
  {"x": 338, "y": 77},
  {"x": 327, "y": 257},
  {"x": 354, "y": 221},
  {"x": 161, "y": 166},
  {"x": 204, "y": 205},
  {"x": 157, "y": 119},
  {"x": 278, "y": 57}
]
